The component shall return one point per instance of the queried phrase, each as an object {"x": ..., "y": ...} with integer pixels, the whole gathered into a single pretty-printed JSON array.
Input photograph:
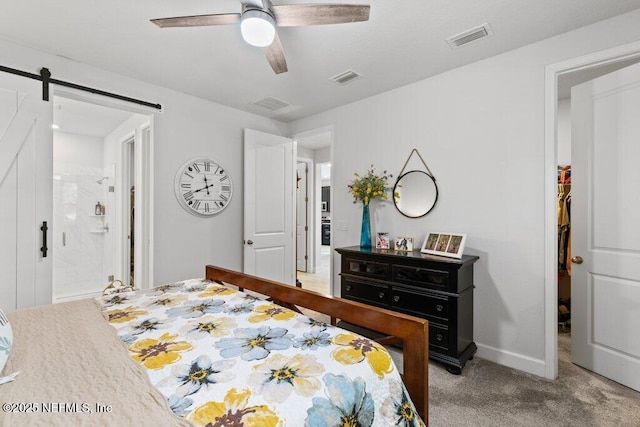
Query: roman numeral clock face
[{"x": 203, "y": 187}]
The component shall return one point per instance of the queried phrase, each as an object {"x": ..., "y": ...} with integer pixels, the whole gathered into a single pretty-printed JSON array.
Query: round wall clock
[{"x": 203, "y": 187}]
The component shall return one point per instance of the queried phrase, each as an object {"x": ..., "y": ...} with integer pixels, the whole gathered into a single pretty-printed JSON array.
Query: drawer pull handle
[
  {"x": 439, "y": 307},
  {"x": 348, "y": 287},
  {"x": 381, "y": 295},
  {"x": 439, "y": 337},
  {"x": 396, "y": 298}
]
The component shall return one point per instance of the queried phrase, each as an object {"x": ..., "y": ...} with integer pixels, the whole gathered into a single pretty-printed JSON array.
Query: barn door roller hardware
[{"x": 45, "y": 78}]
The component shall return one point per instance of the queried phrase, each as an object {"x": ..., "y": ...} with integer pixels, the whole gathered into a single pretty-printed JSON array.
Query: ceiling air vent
[
  {"x": 469, "y": 36},
  {"x": 272, "y": 104},
  {"x": 345, "y": 77}
]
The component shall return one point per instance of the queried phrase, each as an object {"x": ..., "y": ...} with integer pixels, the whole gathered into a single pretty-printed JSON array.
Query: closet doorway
[
  {"x": 588, "y": 326},
  {"x": 96, "y": 156},
  {"x": 314, "y": 159}
]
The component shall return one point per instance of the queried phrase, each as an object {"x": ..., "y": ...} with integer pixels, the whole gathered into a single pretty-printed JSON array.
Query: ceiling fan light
[{"x": 257, "y": 28}]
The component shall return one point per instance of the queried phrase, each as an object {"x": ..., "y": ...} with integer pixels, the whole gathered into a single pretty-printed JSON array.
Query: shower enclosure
[{"x": 83, "y": 242}]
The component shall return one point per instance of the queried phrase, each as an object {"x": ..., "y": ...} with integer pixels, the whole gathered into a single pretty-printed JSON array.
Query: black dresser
[{"x": 436, "y": 288}]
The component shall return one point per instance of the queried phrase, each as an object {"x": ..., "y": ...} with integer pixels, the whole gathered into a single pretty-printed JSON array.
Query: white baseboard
[{"x": 512, "y": 360}]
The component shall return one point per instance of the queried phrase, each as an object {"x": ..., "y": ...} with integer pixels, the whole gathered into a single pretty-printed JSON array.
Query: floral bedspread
[{"x": 225, "y": 358}]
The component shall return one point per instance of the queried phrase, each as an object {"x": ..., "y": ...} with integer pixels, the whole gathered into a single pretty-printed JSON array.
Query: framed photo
[
  {"x": 444, "y": 244},
  {"x": 404, "y": 244},
  {"x": 382, "y": 241}
]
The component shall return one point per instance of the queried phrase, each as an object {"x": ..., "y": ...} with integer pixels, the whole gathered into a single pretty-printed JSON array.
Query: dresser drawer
[
  {"x": 419, "y": 276},
  {"x": 369, "y": 293},
  {"x": 438, "y": 336},
  {"x": 361, "y": 267},
  {"x": 419, "y": 304}
]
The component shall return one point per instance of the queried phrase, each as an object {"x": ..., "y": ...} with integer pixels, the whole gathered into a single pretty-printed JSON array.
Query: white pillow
[{"x": 6, "y": 339}]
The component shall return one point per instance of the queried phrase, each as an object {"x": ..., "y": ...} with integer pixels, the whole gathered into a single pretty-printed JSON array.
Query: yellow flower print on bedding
[
  {"x": 124, "y": 315},
  {"x": 214, "y": 290},
  {"x": 271, "y": 311},
  {"x": 234, "y": 412},
  {"x": 158, "y": 353},
  {"x": 354, "y": 349}
]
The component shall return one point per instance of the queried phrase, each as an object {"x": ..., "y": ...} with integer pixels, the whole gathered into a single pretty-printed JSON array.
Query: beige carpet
[{"x": 487, "y": 394}]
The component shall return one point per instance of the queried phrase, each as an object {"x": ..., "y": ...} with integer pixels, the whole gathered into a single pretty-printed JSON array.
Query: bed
[{"x": 212, "y": 352}]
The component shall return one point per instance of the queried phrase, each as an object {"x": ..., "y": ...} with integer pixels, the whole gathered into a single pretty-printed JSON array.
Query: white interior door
[
  {"x": 302, "y": 217},
  {"x": 605, "y": 288},
  {"x": 26, "y": 193},
  {"x": 269, "y": 194}
]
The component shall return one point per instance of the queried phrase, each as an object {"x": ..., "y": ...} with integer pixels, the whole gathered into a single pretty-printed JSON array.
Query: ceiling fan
[{"x": 259, "y": 18}]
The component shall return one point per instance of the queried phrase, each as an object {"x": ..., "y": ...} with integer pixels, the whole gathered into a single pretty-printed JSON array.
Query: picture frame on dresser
[
  {"x": 382, "y": 240},
  {"x": 444, "y": 244},
  {"x": 404, "y": 244}
]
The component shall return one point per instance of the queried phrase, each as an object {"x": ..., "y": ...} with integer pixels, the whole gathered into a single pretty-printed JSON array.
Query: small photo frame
[
  {"x": 404, "y": 244},
  {"x": 382, "y": 241},
  {"x": 444, "y": 244}
]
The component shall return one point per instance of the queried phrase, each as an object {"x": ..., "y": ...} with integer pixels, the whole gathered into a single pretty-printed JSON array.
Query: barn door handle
[{"x": 44, "y": 248}]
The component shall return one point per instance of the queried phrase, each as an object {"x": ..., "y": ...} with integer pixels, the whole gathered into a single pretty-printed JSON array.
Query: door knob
[
  {"x": 577, "y": 260},
  {"x": 249, "y": 242}
]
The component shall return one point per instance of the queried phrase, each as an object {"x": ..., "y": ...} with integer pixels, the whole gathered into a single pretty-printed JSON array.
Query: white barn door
[
  {"x": 26, "y": 193},
  {"x": 605, "y": 282},
  {"x": 269, "y": 195}
]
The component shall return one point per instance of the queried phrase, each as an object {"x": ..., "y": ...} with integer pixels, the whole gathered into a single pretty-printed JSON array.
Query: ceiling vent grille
[
  {"x": 345, "y": 77},
  {"x": 272, "y": 104},
  {"x": 469, "y": 36}
]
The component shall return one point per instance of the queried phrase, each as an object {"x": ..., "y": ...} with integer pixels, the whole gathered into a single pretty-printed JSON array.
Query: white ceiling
[{"x": 403, "y": 42}]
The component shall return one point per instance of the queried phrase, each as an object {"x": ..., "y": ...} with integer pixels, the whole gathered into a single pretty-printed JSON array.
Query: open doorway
[
  {"x": 570, "y": 74},
  {"x": 314, "y": 206},
  {"x": 95, "y": 146}
]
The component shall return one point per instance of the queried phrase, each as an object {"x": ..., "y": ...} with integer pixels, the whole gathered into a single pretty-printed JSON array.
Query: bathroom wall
[{"x": 78, "y": 257}]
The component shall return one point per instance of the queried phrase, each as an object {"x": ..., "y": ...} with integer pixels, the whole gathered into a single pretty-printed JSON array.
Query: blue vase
[{"x": 365, "y": 232}]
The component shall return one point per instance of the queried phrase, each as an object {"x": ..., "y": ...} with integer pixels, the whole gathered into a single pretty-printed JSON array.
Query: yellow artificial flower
[
  {"x": 271, "y": 311},
  {"x": 124, "y": 314},
  {"x": 214, "y": 290},
  {"x": 355, "y": 349},
  {"x": 157, "y": 353},
  {"x": 369, "y": 186},
  {"x": 234, "y": 412}
]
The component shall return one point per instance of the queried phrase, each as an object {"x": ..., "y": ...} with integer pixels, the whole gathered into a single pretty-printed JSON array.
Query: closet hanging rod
[{"x": 45, "y": 78}]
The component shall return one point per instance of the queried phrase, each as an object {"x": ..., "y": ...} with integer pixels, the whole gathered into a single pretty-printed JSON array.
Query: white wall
[
  {"x": 187, "y": 127},
  {"x": 564, "y": 131},
  {"x": 480, "y": 128}
]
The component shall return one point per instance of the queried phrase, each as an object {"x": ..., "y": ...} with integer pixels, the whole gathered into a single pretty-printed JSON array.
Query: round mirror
[{"x": 417, "y": 193}]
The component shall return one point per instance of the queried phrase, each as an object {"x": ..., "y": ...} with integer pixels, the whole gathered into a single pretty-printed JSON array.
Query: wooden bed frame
[{"x": 412, "y": 331}]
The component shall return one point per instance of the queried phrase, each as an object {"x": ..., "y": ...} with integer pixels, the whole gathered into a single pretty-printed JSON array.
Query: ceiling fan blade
[
  {"x": 198, "y": 20},
  {"x": 275, "y": 56},
  {"x": 295, "y": 15}
]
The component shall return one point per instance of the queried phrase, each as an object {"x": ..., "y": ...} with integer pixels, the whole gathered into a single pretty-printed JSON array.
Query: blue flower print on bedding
[
  {"x": 5, "y": 345},
  {"x": 199, "y": 374},
  {"x": 196, "y": 308},
  {"x": 254, "y": 344},
  {"x": 245, "y": 307},
  {"x": 179, "y": 405},
  {"x": 347, "y": 404},
  {"x": 313, "y": 340}
]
